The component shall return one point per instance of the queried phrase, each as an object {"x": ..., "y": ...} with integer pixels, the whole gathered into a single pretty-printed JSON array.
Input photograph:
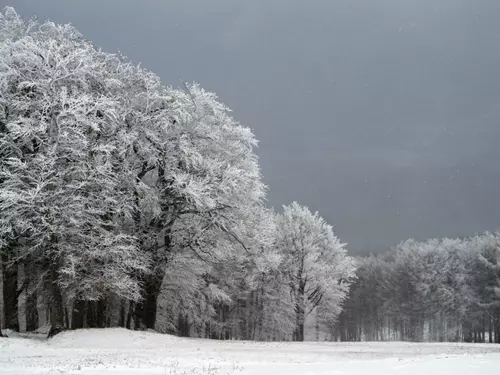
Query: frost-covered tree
[
  {"x": 214, "y": 279},
  {"x": 202, "y": 181},
  {"x": 315, "y": 263},
  {"x": 103, "y": 166},
  {"x": 486, "y": 285},
  {"x": 429, "y": 285},
  {"x": 121, "y": 197},
  {"x": 62, "y": 196},
  {"x": 364, "y": 312},
  {"x": 434, "y": 290},
  {"x": 270, "y": 306},
  {"x": 263, "y": 309}
]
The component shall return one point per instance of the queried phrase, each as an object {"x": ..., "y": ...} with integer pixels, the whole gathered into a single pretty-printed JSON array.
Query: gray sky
[{"x": 382, "y": 115}]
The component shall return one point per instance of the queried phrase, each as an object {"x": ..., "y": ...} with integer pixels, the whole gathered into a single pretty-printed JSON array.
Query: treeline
[
  {"x": 436, "y": 290},
  {"x": 124, "y": 202}
]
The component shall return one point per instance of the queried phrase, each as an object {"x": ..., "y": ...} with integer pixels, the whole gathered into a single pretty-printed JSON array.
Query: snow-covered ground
[{"x": 118, "y": 351}]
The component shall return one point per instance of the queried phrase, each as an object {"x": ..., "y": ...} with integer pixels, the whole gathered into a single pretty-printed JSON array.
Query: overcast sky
[{"x": 382, "y": 115}]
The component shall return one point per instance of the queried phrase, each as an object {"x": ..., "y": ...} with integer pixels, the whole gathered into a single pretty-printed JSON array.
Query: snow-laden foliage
[
  {"x": 122, "y": 199},
  {"x": 126, "y": 202},
  {"x": 315, "y": 264},
  {"x": 435, "y": 290},
  {"x": 62, "y": 196}
]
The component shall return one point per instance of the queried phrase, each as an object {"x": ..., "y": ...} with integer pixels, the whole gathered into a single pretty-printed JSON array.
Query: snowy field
[{"x": 118, "y": 351}]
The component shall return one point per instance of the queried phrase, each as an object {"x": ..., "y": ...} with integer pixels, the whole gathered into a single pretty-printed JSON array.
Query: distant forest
[{"x": 128, "y": 203}]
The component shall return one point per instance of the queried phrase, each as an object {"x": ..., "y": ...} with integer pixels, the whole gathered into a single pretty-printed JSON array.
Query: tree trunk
[
  {"x": 101, "y": 309},
  {"x": 227, "y": 327},
  {"x": 260, "y": 309},
  {"x": 130, "y": 311},
  {"x": 21, "y": 299},
  {"x": 78, "y": 314},
  {"x": 497, "y": 329},
  {"x": 183, "y": 325},
  {"x": 92, "y": 321},
  {"x": 299, "y": 312},
  {"x": 66, "y": 317},
  {"x": 56, "y": 313},
  {"x": 317, "y": 324},
  {"x": 207, "y": 330},
  {"x": 490, "y": 330},
  {"x": 145, "y": 311},
  {"x": 31, "y": 312},
  {"x": 41, "y": 307},
  {"x": 10, "y": 297},
  {"x": 251, "y": 320},
  {"x": 243, "y": 320},
  {"x": 2, "y": 303},
  {"x": 342, "y": 326},
  {"x": 121, "y": 322}
]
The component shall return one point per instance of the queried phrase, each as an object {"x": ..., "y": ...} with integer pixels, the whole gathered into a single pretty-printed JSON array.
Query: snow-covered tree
[
  {"x": 315, "y": 263},
  {"x": 199, "y": 175},
  {"x": 434, "y": 290},
  {"x": 118, "y": 193},
  {"x": 104, "y": 169},
  {"x": 62, "y": 196},
  {"x": 486, "y": 283},
  {"x": 364, "y": 313}
]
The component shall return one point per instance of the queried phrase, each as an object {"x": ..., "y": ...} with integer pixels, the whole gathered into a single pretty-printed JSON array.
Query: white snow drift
[{"x": 118, "y": 351}]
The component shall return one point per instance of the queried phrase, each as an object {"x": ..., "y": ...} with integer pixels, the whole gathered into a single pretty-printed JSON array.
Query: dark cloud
[{"x": 383, "y": 115}]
